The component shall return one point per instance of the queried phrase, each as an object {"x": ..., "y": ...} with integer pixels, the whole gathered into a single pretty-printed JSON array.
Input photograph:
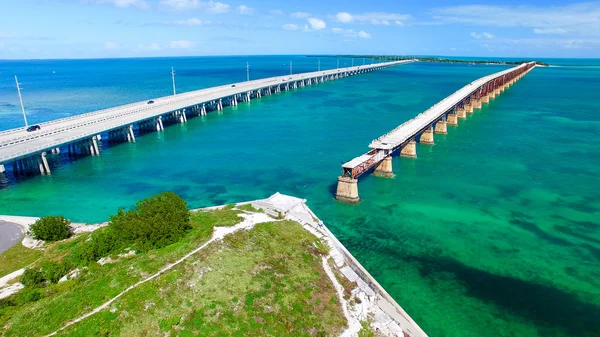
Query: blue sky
[{"x": 138, "y": 28}]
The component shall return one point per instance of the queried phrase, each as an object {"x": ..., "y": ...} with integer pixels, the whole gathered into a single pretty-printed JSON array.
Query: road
[{"x": 10, "y": 235}]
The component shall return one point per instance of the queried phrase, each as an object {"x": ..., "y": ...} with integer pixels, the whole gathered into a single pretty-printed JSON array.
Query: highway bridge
[
  {"x": 402, "y": 140},
  {"x": 79, "y": 135}
]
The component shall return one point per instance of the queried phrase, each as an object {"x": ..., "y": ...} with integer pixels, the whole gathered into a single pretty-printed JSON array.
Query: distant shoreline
[{"x": 433, "y": 59}]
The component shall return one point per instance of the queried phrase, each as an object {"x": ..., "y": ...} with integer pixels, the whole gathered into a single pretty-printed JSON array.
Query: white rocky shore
[{"x": 369, "y": 303}]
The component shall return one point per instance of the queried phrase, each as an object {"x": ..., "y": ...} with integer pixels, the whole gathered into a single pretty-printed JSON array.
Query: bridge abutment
[
  {"x": 409, "y": 150},
  {"x": 384, "y": 169},
  {"x": 347, "y": 190}
]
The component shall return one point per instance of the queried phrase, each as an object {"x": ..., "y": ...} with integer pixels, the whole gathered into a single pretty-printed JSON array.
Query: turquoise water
[{"x": 493, "y": 231}]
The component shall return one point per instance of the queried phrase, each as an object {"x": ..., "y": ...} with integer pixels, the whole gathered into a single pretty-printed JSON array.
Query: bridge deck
[
  {"x": 17, "y": 143},
  {"x": 413, "y": 127}
]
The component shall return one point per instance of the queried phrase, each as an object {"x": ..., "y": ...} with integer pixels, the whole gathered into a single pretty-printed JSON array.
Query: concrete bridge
[
  {"x": 403, "y": 139},
  {"x": 28, "y": 152}
]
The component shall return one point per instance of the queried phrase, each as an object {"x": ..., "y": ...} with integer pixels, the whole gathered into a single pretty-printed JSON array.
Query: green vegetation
[
  {"x": 265, "y": 281},
  {"x": 154, "y": 223},
  {"x": 17, "y": 257},
  {"x": 51, "y": 228},
  {"x": 268, "y": 281}
]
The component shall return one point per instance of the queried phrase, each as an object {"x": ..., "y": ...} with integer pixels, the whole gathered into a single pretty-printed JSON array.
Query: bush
[
  {"x": 53, "y": 271},
  {"x": 102, "y": 243},
  {"x": 32, "y": 277},
  {"x": 51, "y": 228},
  {"x": 155, "y": 222}
]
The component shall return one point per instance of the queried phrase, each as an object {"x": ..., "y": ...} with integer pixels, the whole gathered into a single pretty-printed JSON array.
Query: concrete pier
[
  {"x": 461, "y": 113},
  {"x": 452, "y": 119},
  {"x": 347, "y": 190},
  {"x": 409, "y": 150},
  {"x": 441, "y": 128},
  {"x": 384, "y": 169},
  {"x": 427, "y": 137}
]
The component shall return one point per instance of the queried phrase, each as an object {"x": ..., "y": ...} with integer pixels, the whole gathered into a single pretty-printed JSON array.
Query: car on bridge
[
  {"x": 150, "y": 102},
  {"x": 33, "y": 128}
]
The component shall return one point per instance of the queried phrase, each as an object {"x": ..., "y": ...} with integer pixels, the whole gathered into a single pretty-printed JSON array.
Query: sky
[{"x": 41, "y": 29}]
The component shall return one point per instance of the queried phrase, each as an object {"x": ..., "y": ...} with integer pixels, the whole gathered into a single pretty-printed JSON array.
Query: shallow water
[{"x": 493, "y": 231}]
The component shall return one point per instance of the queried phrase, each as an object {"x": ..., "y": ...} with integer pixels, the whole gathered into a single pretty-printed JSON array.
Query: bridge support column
[
  {"x": 427, "y": 137},
  {"x": 2, "y": 169},
  {"x": 485, "y": 99},
  {"x": 409, "y": 150},
  {"x": 131, "y": 136},
  {"x": 384, "y": 169},
  {"x": 203, "y": 110},
  {"x": 461, "y": 113},
  {"x": 469, "y": 108},
  {"x": 452, "y": 119},
  {"x": 159, "y": 124},
  {"x": 476, "y": 104},
  {"x": 441, "y": 127},
  {"x": 347, "y": 190},
  {"x": 45, "y": 168},
  {"x": 94, "y": 147}
]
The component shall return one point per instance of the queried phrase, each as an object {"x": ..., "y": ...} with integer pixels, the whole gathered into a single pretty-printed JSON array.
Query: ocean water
[{"x": 493, "y": 231}]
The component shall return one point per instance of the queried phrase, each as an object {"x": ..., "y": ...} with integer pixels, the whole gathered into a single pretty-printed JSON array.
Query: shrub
[
  {"x": 102, "y": 243},
  {"x": 51, "y": 228},
  {"x": 32, "y": 277},
  {"x": 155, "y": 222},
  {"x": 53, "y": 271}
]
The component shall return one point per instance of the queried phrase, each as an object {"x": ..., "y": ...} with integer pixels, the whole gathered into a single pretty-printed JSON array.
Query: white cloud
[
  {"x": 290, "y": 26},
  {"x": 182, "y": 44},
  {"x": 276, "y": 12},
  {"x": 300, "y": 15},
  {"x": 382, "y": 18},
  {"x": 148, "y": 47},
  {"x": 122, "y": 3},
  {"x": 207, "y": 6},
  {"x": 582, "y": 19},
  {"x": 111, "y": 45},
  {"x": 364, "y": 34},
  {"x": 484, "y": 35},
  {"x": 549, "y": 30},
  {"x": 189, "y": 22},
  {"x": 316, "y": 24},
  {"x": 245, "y": 10},
  {"x": 351, "y": 33},
  {"x": 344, "y": 17}
]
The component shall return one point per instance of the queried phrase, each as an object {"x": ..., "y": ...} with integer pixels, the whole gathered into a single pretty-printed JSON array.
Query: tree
[
  {"x": 32, "y": 277},
  {"x": 155, "y": 222},
  {"x": 51, "y": 228}
]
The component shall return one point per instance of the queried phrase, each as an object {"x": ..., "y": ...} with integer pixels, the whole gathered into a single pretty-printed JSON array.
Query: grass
[
  {"x": 17, "y": 257},
  {"x": 267, "y": 281},
  {"x": 24, "y": 314}
]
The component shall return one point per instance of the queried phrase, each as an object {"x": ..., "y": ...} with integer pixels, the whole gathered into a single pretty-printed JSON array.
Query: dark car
[
  {"x": 150, "y": 102},
  {"x": 233, "y": 85},
  {"x": 33, "y": 128}
]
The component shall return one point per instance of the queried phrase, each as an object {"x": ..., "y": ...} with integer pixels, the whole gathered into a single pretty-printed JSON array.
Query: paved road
[{"x": 10, "y": 235}]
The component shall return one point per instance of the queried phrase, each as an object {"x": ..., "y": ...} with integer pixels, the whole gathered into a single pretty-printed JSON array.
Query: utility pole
[
  {"x": 21, "y": 100},
  {"x": 173, "y": 79},
  {"x": 247, "y": 72}
]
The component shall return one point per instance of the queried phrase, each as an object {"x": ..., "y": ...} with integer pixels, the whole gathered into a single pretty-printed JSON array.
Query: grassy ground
[
  {"x": 16, "y": 258},
  {"x": 264, "y": 282}
]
